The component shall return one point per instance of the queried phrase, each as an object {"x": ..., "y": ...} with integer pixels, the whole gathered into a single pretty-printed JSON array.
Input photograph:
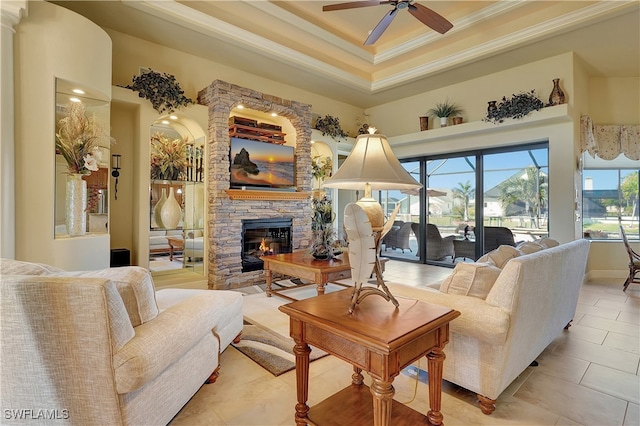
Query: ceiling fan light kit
[{"x": 422, "y": 13}]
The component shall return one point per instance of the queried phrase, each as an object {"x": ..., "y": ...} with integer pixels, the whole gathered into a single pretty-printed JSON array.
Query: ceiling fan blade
[
  {"x": 351, "y": 5},
  {"x": 430, "y": 18},
  {"x": 379, "y": 29}
]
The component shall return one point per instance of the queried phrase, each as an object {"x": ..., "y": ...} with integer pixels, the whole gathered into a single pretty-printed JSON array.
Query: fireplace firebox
[{"x": 262, "y": 237}]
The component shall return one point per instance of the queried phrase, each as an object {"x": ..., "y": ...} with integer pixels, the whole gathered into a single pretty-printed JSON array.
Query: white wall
[{"x": 52, "y": 42}]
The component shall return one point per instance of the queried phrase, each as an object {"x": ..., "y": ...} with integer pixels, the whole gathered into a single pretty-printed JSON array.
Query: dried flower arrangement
[
  {"x": 168, "y": 157},
  {"x": 329, "y": 125},
  {"x": 78, "y": 139},
  {"x": 322, "y": 245},
  {"x": 321, "y": 167},
  {"x": 516, "y": 106},
  {"x": 162, "y": 90}
]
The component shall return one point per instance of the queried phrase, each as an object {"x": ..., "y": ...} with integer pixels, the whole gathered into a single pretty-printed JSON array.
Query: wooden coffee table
[
  {"x": 302, "y": 264},
  {"x": 176, "y": 244},
  {"x": 376, "y": 338}
]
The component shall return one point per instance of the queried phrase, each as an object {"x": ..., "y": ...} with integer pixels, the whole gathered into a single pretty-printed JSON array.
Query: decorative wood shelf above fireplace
[{"x": 250, "y": 194}]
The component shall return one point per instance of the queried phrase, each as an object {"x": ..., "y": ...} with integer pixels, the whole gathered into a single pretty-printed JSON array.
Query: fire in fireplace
[{"x": 262, "y": 237}]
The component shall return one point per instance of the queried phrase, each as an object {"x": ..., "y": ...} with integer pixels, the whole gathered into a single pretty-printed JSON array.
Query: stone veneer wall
[{"x": 224, "y": 215}]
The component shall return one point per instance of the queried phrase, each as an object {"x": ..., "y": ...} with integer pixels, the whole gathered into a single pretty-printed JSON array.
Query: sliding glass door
[{"x": 470, "y": 202}]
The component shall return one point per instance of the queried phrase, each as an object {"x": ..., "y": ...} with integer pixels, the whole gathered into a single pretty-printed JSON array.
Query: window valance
[{"x": 609, "y": 141}]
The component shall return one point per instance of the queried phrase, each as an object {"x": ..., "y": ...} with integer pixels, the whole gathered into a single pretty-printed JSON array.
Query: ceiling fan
[{"x": 425, "y": 15}]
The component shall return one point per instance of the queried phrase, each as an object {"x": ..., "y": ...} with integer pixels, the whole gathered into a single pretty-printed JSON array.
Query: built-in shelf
[
  {"x": 548, "y": 115},
  {"x": 251, "y": 194}
]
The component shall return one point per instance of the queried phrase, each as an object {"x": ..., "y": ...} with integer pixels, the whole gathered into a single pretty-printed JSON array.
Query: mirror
[
  {"x": 176, "y": 196},
  {"x": 82, "y": 156}
]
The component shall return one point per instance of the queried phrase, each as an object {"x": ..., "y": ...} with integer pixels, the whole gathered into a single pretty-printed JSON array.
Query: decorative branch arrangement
[
  {"x": 516, "y": 106},
  {"x": 162, "y": 90},
  {"x": 329, "y": 125}
]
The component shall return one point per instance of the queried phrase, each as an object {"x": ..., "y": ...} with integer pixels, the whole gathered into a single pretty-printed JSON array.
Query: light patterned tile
[
  {"x": 623, "y": 342},
  {"x": 575, "y": 402},
  {"x": 612, "y": 302},
  {"x": 589, "y": 334},
  {"x": 612, "y": 382},
  {"x": 600, "y": 354},
  {"x": 561, "y": 366},
  {"x": 595, "y": 311},
  {"x": 632, "y": 416},
  {"x": 621, "y": 327}
]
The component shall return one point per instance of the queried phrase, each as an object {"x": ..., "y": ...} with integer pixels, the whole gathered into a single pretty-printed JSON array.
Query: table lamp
[{"x": 371, "y": 165}]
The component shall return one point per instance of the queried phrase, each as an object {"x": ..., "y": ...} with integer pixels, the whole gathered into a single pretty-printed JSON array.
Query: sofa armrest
[
  {"x": 160, "y": 342},
  {"x": 478, "y": 319},
  {"x": 135, "y": 286}
]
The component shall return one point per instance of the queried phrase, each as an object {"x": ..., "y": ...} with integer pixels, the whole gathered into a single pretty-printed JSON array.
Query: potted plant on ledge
[{"x": 444, "y": 110}]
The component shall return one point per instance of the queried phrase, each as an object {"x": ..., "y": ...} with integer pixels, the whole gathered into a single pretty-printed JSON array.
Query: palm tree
[
  {"x": 530, "y": 189},
  {"x": 464, "y": 192}
]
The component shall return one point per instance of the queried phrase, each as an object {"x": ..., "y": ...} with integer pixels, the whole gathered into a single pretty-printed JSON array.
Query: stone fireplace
[{"x": 227, "y": 208}]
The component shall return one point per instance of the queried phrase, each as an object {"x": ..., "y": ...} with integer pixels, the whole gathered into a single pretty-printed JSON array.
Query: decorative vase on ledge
[
  {"x": 158, "y": 208},
  {"x": 76, "y": 205},
  {"x": 557, "y": 95},
  {"x": 170, "y": 212}
]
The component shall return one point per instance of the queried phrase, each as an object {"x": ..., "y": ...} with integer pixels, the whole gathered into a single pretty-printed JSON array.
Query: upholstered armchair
[
  {"x": 96, "y": 347},
  {"x": 437, "y": 247}
]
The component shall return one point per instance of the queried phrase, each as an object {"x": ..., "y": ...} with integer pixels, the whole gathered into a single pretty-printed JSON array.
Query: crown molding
[
  {"x": 12, "y": 12},
  {"x": 203, "y": 23},
  {"x": 558, "y": 24}
]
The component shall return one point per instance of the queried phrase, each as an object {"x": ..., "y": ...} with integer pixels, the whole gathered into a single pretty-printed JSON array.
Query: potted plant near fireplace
[{"x": 322, "y": 227}]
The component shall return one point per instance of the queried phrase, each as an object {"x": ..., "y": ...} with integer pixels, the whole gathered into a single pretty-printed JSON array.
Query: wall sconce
[{"x": 115, "y": 170}]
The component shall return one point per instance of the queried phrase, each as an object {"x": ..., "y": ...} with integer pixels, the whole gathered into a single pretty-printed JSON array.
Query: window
[{"x": 609, "y": 199}]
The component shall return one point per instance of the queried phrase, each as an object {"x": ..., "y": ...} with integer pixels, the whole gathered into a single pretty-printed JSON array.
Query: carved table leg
[
  {"x": 435, "y": 361},
  {"x": 301, "y": 351},
  {"x": 268, "y": 275},
  {"x": 382, "y": 402}
]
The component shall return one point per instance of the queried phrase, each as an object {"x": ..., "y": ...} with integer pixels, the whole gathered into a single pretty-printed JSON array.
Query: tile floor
[{"x": 587, "y": 376}]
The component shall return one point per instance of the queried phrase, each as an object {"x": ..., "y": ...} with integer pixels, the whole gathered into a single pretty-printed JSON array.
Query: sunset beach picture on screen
[{"x": 262, "y": 165}]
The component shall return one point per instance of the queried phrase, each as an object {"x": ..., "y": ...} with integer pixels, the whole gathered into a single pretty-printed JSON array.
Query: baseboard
[{"x": 606, "y": 274}]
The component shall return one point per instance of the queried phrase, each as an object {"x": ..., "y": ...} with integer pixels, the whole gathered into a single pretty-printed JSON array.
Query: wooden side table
[
  {"x": 176, "y": 244},
  {"x": 376, "y": 338}
]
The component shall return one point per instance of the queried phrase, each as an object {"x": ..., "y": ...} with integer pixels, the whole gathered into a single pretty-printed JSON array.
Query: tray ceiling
[{"x": 295, "y": 42}]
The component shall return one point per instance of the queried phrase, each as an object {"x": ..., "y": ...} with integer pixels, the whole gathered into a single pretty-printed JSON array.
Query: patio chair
[
  {"x": 437, "y": 247},
  {"x": 634, "y": 262}
]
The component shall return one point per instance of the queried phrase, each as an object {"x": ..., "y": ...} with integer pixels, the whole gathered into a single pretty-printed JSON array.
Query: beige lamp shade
[
  {"x": 372, "y": 162},
  {"x": 371, "y": 165}
]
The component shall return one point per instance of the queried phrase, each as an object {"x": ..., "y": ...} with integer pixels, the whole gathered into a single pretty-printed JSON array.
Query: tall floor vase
[
  {"x": 171, "y": 213},
  {"x": 158, "y": 208},
  {"x": 76, "y": 205}
]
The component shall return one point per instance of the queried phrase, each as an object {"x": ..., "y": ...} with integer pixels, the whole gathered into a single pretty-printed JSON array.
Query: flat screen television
[{"x": 262, "y": 165}]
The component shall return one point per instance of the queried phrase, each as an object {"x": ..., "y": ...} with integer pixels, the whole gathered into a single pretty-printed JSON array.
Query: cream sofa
[
  {"x": 529, "y": 300},
  {"x": 103, "y": 348}
]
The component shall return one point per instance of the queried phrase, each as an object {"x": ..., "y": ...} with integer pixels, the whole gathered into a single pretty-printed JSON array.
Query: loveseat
[
  {"x": 103, "y": 348},
  {"x": 514, "y": 302}
]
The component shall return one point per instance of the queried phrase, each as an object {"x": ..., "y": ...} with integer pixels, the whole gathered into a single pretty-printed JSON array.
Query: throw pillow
[
  {"x": 500, "y": 256},
  {"x": 471, "y": 279},
  {"x": 529, "y": 247},
  {"x": 547, "y": 242}
]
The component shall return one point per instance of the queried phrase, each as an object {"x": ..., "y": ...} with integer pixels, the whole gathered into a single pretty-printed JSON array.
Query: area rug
[{"x": 270, "y": 350}]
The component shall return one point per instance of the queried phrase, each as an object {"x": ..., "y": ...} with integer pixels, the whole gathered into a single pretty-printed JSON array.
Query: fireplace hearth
[{"x": 261, "y": 237}]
